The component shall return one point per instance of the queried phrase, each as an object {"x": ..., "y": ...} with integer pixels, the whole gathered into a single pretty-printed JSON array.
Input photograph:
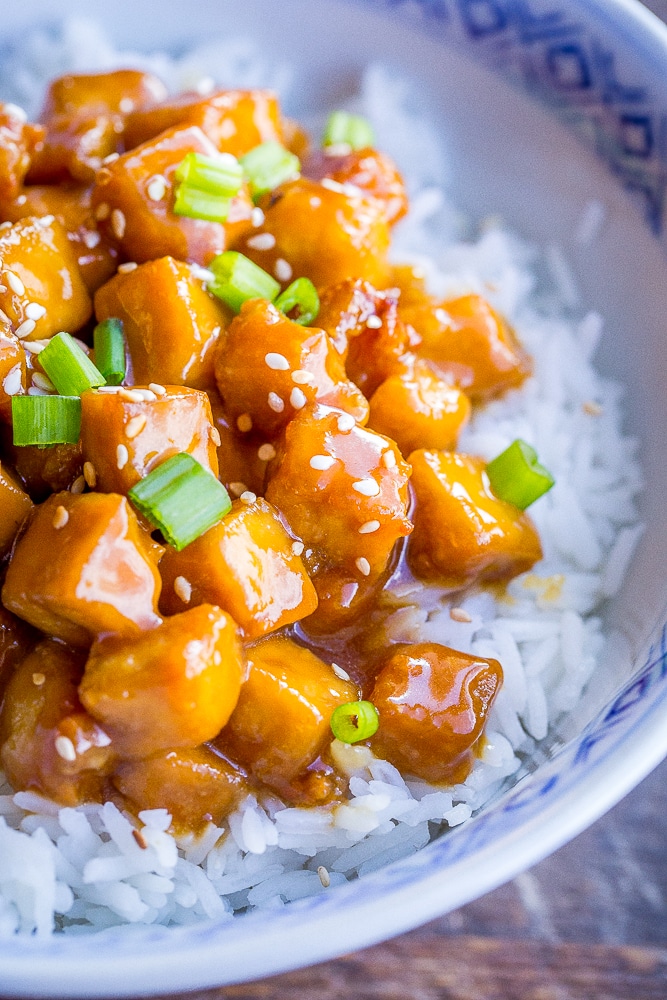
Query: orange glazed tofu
[
  {"x": 134, "y": 200},
  {"x": 320, "y": 231},
  {"x": 463, "y": 533},
  {"x": 372, "y": 172},
  {"x": 247, "y": 565},
  {"x": 433, "y": 703},
  {"x": 12, "y": 372},
  {"x": 84, "y": 567},
  {"x": 268, "y": 368},
  {"x": 170, "y": 323},
  {"x": 344, "y": 491},
  {"x": 127, "y": 432},
  {"x": 281, "y": 722},
  {"x": 15, "y": 505},
  {"x": 19, "y": 141},
  {"x": 41, "y": 288},
  {"x": 175, "y": 686},
  {"x": 234, "y": 120}
]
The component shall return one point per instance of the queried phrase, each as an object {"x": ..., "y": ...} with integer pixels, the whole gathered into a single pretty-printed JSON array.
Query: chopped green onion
[
  {"x": 301, "y": 295},
  {"x": 268, "y": 165},
  {"x": 357, "y": 720},
  {"x": 237, "y": 279},
  {"x": 69, "y": 367},
  {"x": 517, "y": 477},
  {"x": 46, "y": 420},
  {"x": 344, "y": 129},
  {"x": 110, "y": 350},
  {"x": 181, "y": 498},
  {"x": 196, "y": 204},
  {"x": 221, "y": 175}
]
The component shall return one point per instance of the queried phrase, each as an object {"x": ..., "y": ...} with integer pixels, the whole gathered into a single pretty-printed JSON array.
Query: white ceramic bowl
[{"x": 546, "y": 106}]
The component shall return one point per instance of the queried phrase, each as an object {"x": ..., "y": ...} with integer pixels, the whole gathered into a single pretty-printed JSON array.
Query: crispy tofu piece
[
  {"x": 133, "y": 201},
  {"x": 83, "y": 568},
  {"x": 372, "y": 172},
  {"x": 15, "y": 505},
  {"x": 46, "y": 470},
  {"x": 49, "y": 744},
  {"x": 463, "y": 533},
  {"x": 42, "y": 291},
  {"x": 245, "y": 564},
  {"x": 19, "y": 141},
  {"x": 280, "y": 725},
  {"x": 171, "y": 324},
  {"x": 268, "y": 368},
  {"x": 125, "y": 436},
  {"x": 433, "y": 703},
  {"x": 174, "y": 686},
  {"x": 344, "y": 491}
]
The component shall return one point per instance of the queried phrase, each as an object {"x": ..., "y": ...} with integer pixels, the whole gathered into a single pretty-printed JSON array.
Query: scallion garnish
[
  {"x": 357, "y": 720},
  {"x": 46, "y": 420},
  {"x": 238, "y": 279},
  {"x": 344, "y": 129},
  {"x": 196, "y": 204},
  {"x": 181, "y": 498},
  {"x": 109, "y": 347},
  {"x": 206, "y": 186},
  {"x": 268, "y": 165},
  {"x": 69, "y": 367},
  {"x": 301, "y": 295},
  {"x": 517, "y": 477}
]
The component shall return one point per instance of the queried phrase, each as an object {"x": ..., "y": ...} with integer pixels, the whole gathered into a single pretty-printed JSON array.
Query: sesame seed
[
  {"x": 257, "y": 217},
  {"x": 34, "y": 311},
  {"x": 282, "y": 269},
  {"x": 111, "y": 158},
  {"x": 323, "y": 875},
  {"x": 102, "y": 211},
  {"x": 65, "y": 748},
  {"x": 127, "y": 268},
  {"x": 131, "y": 395},
  {"x": 214, "y": 434},
  {"x": 297, "y": 548},
  {"x": 373, "y": 322},
  {"x": 158, "y": 389},
  {"x": 238, "y": 488},
  {"x": 332, "y": 185},
  {"x": 25, "y": 329},
  {"x": 315, "y": 202},
  {"x": 35, "y": 346},
  {"x": 157, "y": 188},
  {"x": 443, "y": 316},
  {"x": 266, "y": 452},
  {"x": 183, "y": 589},
  {"x": 346, "y": 422},
  {"x": 367, "y": 487},
  {"x": 89, "y": 474},
  {"x": 78, "y": 486},
  {"x": 38, "y": 679},
  {"x": 277, "y": 362},
  {"x": 297, "y": 398},
  {"x": 203, "y": 273},
  {"x": 263, "y": 241},
  {"x": 135, "y": 426},
  {"x": 248, "y": 497},
  {"x": 302, "y": 377},
  {"x": 369, "y": 527},
  {"x": 61, "y": 517},
  {"x": 43, "y": 382},
  {"x": 118, "y": 223},
  {"x": 111, "y": 390},
  {"x": 389, "y": 460},
  {"x": 276, "y": 402},
  {"x": 459, "y": 615},
  {"x": 35, "y": 390},
  {"x": 139, "y": 838},
  {"x": 363, "y": 565},
  {"x": 339, "y": 672},
  {"x": 12, "y": 381},
  {"x": 146, "y": 395},
  {"x": 122, "y": 456},
  {"x": 322, "y": 462},
  {"x": 92, "y": 239},
  {"x": 15, "y": 283}
]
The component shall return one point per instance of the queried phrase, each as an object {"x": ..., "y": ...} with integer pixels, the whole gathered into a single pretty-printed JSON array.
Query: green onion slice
[
  {"x": 196, "y": 204},
  {"x": 268, "y": 165},
  {"x": 517, "y": 477},
  {"x": 46, "y": 420},
  {"x": 357, "y": 720},
  {"x": 181, "y": 498},
  {"x": 69, "y": 367},
  {"x": 344, "y": 129},
  {"x": 238, "y": 279},
  {"x": 221, "y": 175},
  {"x": 301, "y": 295},
  {"x": 109, "y": 347}
]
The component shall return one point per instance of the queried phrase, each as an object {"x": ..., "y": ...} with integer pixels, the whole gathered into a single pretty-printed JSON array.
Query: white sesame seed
[
  {"x": 111, "y": 158},
  {"x": 237, "y": 489},
  {"x": 35, "y": 390},
  {"x": 367, "y": 487},
  {"x": 111, "y": 390},
  {"x": 43, "y": 382},
  {"x": 332, "y": 185},
  {"x": 322, "y": 462},
  {"x": 263, "y": 241},
  {"x": 257, "y": 217},
  {"x": 131, "y": 395},
  {"x": 183, "y": 589},
  {"x": 38, "y": 679},
  {"x": 302, "y": 377},
  {"x": 122, "y": 456},
  {"x": 61, "y": 517},
  {"x": 248, "y": 497},
  {"x": 34, "y": 311},
  {"x": 65, "y": 748},
  {"x": 203, "y": 273},
  {"x": 297, "y": 398},
  {"x": 346, "y": 422},
  {"x": 35, "y": 346},
  {"x": 118, "y": 223},
  {"x": 277, "y": 362},
  {"x": 276, "y": 402},
  {"x": 128, "y": 267},
  {"x": 78, "y": 486},
  {"x": 157, "y": 188},
  {"x": 266, "y": 452},
  {"x": 363, "y": 565},
  {"x": 244, "y": 422},
  {"x": 92, "y": 239},
  {"x": 315, "y": 202},
  {"x": 282, "y": 269},
  {"x": 15, "y": 283},
  {"x": 25, "y": 329},
  {"x": 146, "y": 395},
  {"x": 12, "y": 381},
  {"x": 443, "y": 316},
  {"x": 214, "y": 434},
  {"x": 323, "y": 876},
  {"x": 369, "y": 527},
  {"x": 373, "y": 322},
  {"x": 389, "y": 460},
  {"x": 102, "y": 211},
  {"x": 135, "y": 426},
  {"x": 158, "y": 389},
  {"x": 297, "y": 548},
  {"x": 339, "y": 672},
  {"x": 89, "y": 474},
  {"x": 459, "y": 615}
]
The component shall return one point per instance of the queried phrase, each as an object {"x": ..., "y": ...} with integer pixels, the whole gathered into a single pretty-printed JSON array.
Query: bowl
[{"x": 547, "y": 108}]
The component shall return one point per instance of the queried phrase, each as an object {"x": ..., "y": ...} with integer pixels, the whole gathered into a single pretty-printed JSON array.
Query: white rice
[{"x": 85, "y": 869}]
